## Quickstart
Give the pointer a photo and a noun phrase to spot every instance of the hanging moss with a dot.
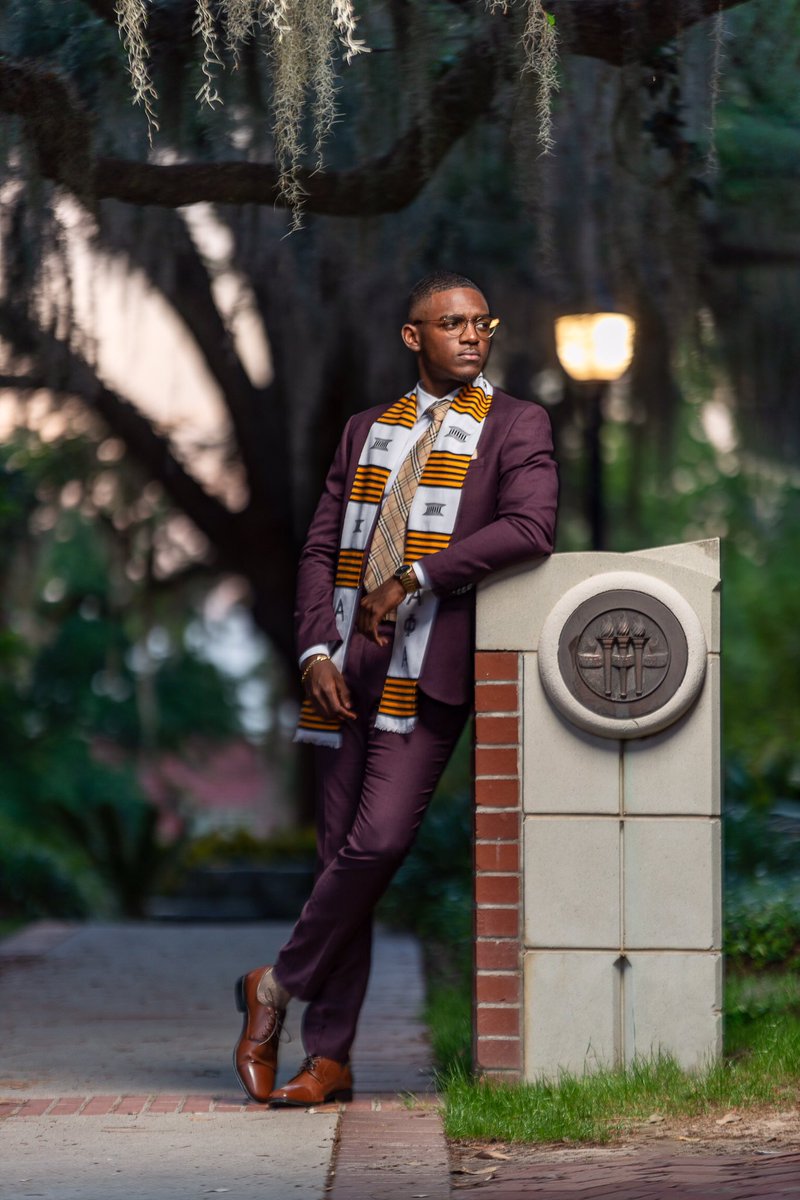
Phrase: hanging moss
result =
(132, 21)
(301, 38)
(541, 57)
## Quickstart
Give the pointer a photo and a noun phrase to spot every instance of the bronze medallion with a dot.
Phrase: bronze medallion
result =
(623, 654)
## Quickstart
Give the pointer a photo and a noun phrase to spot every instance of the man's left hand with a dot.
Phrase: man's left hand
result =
(374, 607)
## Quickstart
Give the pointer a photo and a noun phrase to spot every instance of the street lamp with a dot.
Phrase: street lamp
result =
(595, 349)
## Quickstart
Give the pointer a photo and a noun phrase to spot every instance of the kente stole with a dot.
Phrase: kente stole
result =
(431, 522)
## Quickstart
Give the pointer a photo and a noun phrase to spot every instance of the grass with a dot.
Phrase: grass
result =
(448, 1013)
(761, 1067)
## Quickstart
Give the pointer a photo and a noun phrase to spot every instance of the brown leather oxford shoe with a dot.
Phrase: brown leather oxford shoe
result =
(319, 1080)
(255, 1056)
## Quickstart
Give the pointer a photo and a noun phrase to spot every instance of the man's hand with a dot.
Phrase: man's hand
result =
(374, 607)
(326, 689)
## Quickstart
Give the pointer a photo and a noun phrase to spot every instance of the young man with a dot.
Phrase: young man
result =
(426, 496)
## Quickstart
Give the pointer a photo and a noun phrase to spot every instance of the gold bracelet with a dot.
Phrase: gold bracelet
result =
(316, 659)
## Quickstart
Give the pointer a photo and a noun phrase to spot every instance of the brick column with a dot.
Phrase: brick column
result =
(497, 1033)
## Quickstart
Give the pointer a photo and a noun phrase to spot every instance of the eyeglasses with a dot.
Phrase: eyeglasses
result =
(455, 325)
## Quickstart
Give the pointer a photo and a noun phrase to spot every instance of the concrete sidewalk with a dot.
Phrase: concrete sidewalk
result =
(115, 1070)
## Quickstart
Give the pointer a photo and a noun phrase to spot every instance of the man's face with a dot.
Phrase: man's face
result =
(447, 361)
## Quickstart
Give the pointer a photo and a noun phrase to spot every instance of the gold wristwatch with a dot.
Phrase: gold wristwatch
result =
(405, 575)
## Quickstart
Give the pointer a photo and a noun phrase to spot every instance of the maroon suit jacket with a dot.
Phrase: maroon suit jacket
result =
(506, 514)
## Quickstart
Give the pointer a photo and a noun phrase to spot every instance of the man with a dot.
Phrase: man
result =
(425, 497)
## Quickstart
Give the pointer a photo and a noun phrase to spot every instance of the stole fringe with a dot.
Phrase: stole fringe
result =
(316, 737)
(395, 724)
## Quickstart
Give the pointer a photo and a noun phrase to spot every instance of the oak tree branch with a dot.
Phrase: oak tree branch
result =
(59, 128)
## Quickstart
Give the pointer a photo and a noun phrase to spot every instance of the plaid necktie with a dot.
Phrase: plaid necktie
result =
(388, 543)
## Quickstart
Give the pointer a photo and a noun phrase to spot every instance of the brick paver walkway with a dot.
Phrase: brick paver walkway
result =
(387, 1151)
(649, 1175)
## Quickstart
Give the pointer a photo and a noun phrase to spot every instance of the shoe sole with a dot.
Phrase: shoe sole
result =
(344, 1096)
(238, 992)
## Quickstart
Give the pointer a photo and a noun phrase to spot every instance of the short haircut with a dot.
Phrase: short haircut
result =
(438, 281)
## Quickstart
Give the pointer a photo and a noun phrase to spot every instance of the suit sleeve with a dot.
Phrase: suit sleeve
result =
(313, 618)
(524, 523)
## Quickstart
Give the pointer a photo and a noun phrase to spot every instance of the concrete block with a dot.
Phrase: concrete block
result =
(564, 769)
(703, 556)
(570, 1018)
(678, 771)
(513, 604)
(673, 1002)
(572, 882)
(672, 883)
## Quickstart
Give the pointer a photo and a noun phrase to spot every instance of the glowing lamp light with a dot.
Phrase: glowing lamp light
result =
(595, 347)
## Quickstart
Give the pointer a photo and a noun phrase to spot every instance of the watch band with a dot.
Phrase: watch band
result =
(405, 575)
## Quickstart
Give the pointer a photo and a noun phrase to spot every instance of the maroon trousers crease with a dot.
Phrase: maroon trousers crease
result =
(372, 794)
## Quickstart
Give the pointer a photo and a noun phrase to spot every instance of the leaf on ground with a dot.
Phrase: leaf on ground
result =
(655, 1119)
(728, 1119)
(487, 1171)
(493, 1154)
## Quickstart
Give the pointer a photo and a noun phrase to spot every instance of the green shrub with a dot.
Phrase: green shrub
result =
(118, 838)
(762, 818)
(752, 997)
(36, 881)
(239, 847)
(762, 924)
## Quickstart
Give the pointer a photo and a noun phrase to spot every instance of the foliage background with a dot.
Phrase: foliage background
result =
(117, 522)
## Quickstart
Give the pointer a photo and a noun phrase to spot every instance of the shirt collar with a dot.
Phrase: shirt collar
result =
(425, 399)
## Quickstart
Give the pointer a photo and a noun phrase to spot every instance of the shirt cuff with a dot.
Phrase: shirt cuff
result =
(422, 578)
(320, 648)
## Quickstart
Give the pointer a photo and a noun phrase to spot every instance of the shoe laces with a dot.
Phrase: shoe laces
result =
(276, 1027)
(309, 1064)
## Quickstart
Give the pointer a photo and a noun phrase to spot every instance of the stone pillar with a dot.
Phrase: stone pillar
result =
(597, 831)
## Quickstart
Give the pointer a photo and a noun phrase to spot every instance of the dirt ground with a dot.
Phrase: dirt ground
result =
(750, 1131)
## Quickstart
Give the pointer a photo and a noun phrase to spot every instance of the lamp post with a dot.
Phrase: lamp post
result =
(595, 349)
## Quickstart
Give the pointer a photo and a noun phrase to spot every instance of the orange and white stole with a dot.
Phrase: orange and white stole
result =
(431, 521)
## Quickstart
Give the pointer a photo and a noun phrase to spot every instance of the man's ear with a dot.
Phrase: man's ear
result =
(410, 335)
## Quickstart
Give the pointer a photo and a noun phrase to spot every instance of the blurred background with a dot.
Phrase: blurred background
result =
(176, 368)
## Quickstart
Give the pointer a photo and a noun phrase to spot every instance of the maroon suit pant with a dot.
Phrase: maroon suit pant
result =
(372, 794)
